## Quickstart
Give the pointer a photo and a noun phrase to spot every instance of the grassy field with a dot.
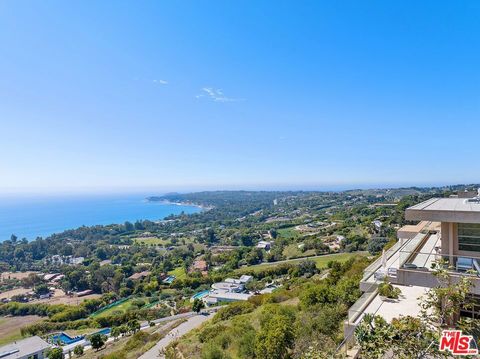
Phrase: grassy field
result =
(10, 327)
(292, 251)
(178, 272)
(321, 261)
(288, 233)
(122, 307)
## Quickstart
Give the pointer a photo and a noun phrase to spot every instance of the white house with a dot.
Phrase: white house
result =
(29, 348)
(264, 245)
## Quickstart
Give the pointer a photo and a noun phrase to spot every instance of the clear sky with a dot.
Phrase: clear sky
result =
(100, 95)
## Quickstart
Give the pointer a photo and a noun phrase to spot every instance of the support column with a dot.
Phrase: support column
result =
(450, 242)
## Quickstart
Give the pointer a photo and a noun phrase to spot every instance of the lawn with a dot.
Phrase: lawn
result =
(320, 261)
(292, 251)
(288, 233)
(10, 327)
(179, 273)
(122, 307)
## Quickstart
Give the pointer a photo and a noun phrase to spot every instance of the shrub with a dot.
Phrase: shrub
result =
(232, 310)
(138, 340)
(78, 350)
(387, 290)
(211, 332)
(213, 351)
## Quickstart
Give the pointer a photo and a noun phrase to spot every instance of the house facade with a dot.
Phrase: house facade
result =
(445, 230)
(29, 348)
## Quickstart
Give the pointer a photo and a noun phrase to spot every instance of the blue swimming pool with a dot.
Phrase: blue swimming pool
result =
(105, 331)
(65, 339)
(169, 279)
(200, 294)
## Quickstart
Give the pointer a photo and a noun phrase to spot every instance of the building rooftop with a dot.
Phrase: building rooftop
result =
(407, 304)
(140, 275)
(459, 210)
(229, 296)
(23, 348)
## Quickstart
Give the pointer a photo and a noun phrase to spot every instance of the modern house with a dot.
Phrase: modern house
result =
(29, 348)
(447, 229)
(230, 290)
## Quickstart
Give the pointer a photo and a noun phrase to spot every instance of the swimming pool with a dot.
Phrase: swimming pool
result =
(65, 339)
(105, 331)
(169, 279)
(200, 295)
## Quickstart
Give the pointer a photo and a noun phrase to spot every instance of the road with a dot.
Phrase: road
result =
(182, 329)
(145, 325)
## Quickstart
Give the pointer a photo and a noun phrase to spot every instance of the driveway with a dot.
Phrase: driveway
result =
(191, 323)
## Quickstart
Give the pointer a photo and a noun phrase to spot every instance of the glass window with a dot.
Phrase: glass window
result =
(469, 237)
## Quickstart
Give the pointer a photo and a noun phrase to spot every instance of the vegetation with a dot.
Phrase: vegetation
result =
(387, 290)
(128, 264)
(305, 315)
(97, 340)
(55, 353)
(78, 350)
(408, 337)
(197, 305)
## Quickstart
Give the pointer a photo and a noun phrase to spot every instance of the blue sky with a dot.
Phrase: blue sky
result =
(135, 95)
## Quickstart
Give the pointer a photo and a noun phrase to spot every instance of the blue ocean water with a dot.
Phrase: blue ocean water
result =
(30, 217)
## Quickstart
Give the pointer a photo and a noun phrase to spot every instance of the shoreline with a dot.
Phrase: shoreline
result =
(186, 203)
(71, 215)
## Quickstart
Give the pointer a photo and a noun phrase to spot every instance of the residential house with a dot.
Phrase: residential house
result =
(264, 245)
(199, 266)
(29, 348)
(448, 229)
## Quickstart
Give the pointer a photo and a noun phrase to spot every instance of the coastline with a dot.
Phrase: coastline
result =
(34, 218)
(184, 203)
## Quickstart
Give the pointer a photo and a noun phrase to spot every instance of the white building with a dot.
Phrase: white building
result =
(264, 245)
(229, 290)
(29, 348)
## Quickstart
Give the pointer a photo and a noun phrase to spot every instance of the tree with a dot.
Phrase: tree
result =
(129, 227)
(133, 326)
(55, 353)
(405, 338)
(275, 338)
(441, 305)
(123, 329)
(97, 340)
(115, 332)
(41, 289)
(376, 244)
(197, 305)
(78, 350)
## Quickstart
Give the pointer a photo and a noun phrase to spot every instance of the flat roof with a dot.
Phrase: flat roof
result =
(458, 210)
(407, 304)
(23, 348)
(229, 295)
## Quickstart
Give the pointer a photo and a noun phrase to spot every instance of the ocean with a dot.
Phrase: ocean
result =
(32, 217)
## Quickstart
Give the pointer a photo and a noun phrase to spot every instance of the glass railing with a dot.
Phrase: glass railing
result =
(428, 261)
(377, 264)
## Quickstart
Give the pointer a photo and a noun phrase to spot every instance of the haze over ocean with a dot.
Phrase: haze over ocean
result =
(35, 216)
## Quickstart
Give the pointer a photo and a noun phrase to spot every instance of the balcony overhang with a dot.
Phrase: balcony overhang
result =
(458, 210)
